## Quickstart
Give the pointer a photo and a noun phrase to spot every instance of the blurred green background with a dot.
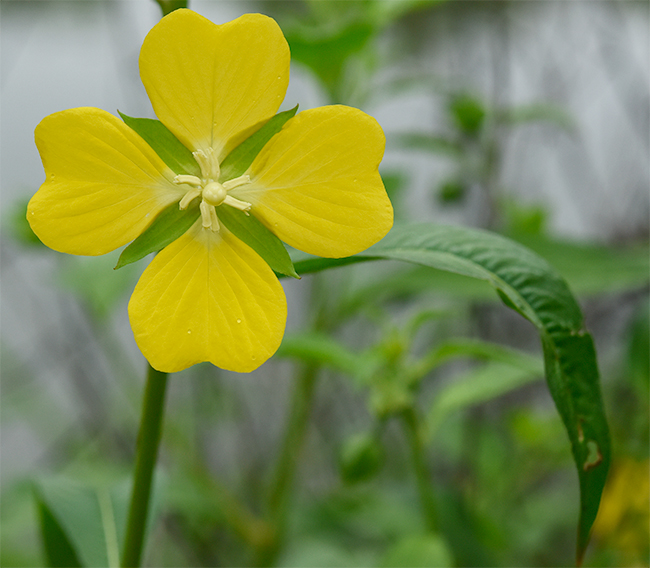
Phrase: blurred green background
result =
(526, 118)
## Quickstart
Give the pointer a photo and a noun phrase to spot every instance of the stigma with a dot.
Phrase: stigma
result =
(213, 193)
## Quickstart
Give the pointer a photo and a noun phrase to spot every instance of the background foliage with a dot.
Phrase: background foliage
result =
(317, 439)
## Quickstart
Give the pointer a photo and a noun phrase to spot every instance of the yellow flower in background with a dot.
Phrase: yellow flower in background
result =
(623, 520)
(208, 296)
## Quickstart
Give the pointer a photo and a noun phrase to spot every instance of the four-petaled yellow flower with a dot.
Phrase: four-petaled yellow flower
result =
(208, 296)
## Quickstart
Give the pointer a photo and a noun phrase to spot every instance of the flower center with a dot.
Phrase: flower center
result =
(212, 192)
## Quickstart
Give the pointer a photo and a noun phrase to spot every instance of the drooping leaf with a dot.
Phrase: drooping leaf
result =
(166, 145)
(239, 160)
(248, 229)
(538, 293)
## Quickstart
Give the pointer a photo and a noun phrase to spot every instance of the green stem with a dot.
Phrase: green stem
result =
(147, 451)
(413, 429)
(288, 459)
(168, 6)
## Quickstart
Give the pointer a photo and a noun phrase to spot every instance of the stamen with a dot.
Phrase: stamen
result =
(208, 163)
(190, 180)
(205, 215)
(188, 197)
(236, 182)
(209, 218)
(237, 204)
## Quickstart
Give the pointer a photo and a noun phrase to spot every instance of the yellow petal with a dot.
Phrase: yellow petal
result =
(209, 83)
(104, 184)
(316, 184)
(208, 297)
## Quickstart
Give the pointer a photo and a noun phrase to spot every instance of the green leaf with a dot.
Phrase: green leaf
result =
(325, 50)
(361, 458)
(239, 160)
(593, 269)
(541, 296)
(248, 229)
(58, 550)
(419, 551)
(77, 524)
(165, 144)
(468, 113)
(479, 385)
(325, 350)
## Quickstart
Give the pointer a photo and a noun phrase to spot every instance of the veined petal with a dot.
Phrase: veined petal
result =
(104, 184)
(208, 297)
(209, 84)
(316, 185)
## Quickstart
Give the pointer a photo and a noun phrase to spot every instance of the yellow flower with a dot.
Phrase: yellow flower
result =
(207, 296)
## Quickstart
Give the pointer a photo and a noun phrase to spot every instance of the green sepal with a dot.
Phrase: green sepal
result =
(171, 151)
(251, 231)
(239, 160)
(170, 224)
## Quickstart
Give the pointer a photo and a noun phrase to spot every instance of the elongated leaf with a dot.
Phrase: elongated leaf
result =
(259, 238)
(170, 224)
(325, 350)
(76, 513)
(58, 549)
(83, 525)
(537, 292)
(165, 144)
(239, 160)
(475, 387)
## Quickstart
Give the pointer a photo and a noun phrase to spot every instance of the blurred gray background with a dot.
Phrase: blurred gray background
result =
(589, 58)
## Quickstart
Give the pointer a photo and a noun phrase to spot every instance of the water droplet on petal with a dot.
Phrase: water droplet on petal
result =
(238, 321)
(189, 331)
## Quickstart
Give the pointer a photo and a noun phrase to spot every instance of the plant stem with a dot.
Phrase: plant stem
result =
(285, 467)
(168, 6)
(413, 429)
(147, 451)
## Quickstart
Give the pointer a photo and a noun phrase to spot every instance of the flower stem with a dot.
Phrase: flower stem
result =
(413, 429)
(168, 6)
(147, 451)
